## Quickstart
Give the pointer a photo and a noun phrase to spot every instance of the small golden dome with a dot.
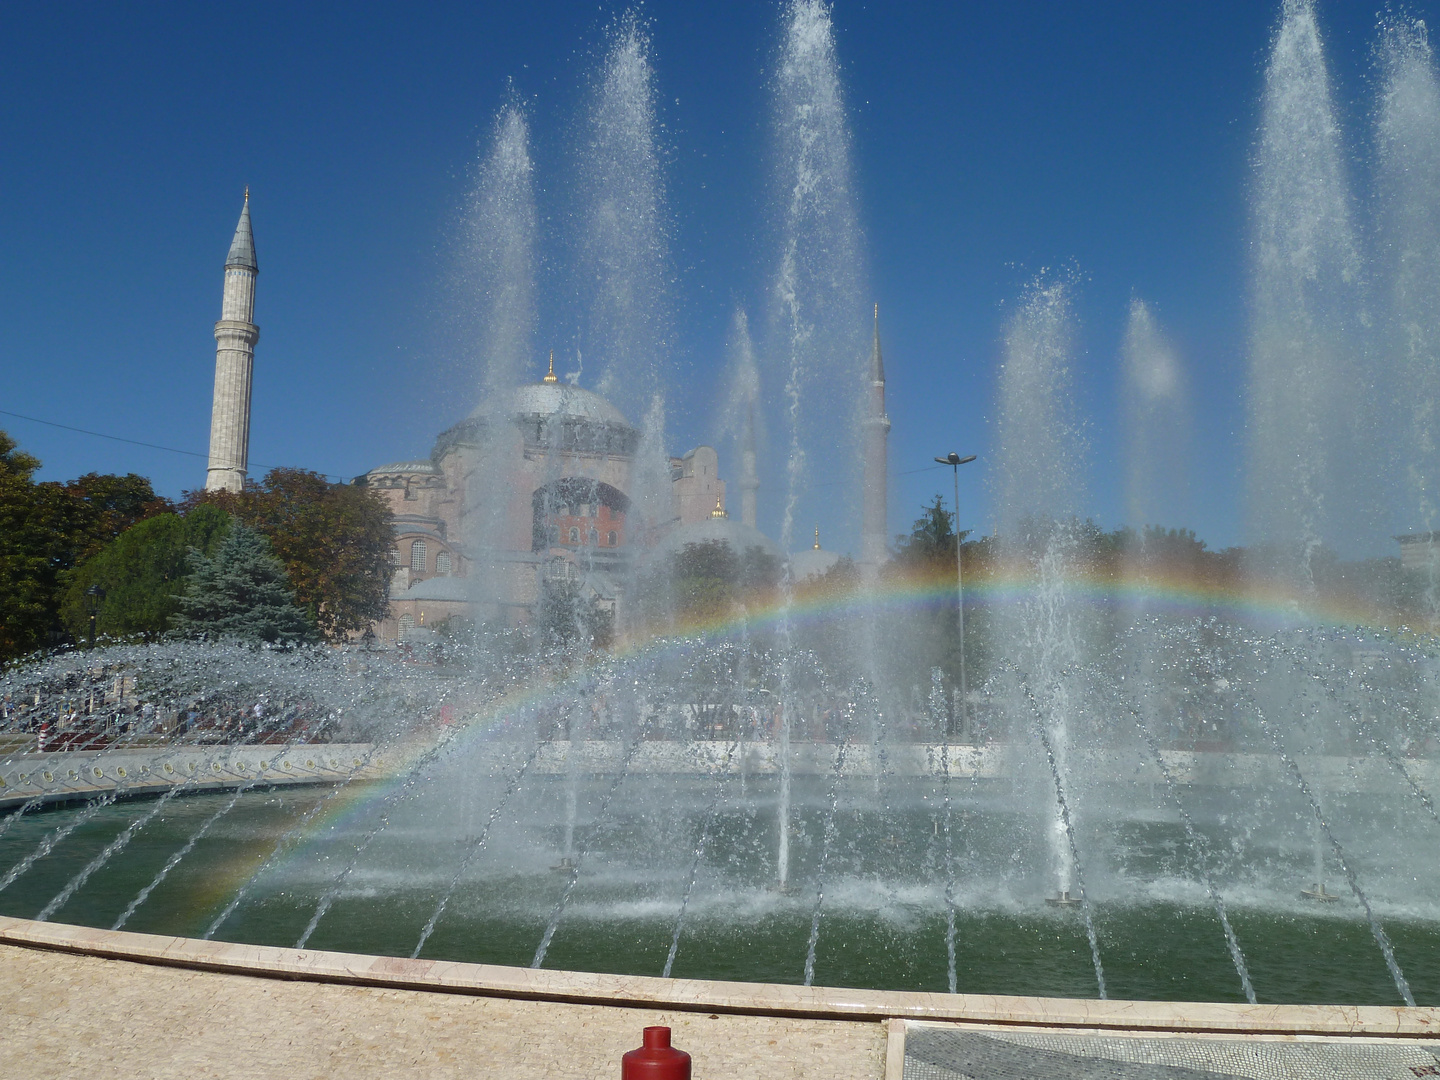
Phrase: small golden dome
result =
(550, 378)
(817, 537)
(719, 511)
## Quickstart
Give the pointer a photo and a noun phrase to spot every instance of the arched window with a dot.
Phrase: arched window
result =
(407, 622)
(418, 551)
(395, 557)
(592, 537)
(613, 540)
(575, 536)
(442, 564)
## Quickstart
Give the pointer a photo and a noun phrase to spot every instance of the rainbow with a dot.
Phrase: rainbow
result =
(1173, 593)
(1262, 606)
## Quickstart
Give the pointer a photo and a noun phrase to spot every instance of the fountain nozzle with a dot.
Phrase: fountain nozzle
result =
(1317, 892)
(1063, 900)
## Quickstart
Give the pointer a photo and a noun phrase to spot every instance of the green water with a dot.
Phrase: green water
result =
(617, 923)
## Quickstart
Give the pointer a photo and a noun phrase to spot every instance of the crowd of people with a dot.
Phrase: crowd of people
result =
(97, 721)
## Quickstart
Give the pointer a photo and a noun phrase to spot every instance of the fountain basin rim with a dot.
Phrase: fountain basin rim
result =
(75, 775)
(735, 998)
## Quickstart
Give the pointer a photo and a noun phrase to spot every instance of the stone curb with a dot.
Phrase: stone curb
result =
(638, 991)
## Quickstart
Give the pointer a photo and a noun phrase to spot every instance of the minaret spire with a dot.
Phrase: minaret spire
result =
(877, 362)
(877, 434)
(235, 338)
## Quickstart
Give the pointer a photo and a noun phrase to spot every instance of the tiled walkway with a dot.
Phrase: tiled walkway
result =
(935, 1052)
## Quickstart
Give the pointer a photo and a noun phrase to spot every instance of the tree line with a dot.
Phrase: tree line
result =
(289, 559)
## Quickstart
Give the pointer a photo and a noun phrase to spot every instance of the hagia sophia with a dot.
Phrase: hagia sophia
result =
(564, 465)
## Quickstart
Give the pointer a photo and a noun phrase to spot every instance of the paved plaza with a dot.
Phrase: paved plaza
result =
(67, 1015)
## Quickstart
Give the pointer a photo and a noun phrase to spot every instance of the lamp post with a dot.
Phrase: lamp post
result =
(94, 597)
(954, 460)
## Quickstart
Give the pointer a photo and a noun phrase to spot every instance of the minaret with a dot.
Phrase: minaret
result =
(235, 338)
(877, 432)
(749, 482)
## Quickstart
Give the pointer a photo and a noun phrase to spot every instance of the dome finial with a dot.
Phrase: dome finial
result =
(550, 378)
(719, 511)
(817, 537)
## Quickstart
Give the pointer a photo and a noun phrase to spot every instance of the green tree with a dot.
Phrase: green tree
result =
(565, 617)
(23, 564)
(46, 530)
(334, 540)
(141, 573)
(704, 580)
(107, 505)
(931, 541)
(241, 593)
(927, 637)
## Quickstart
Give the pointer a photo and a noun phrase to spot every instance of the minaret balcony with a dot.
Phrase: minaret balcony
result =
(233, 328)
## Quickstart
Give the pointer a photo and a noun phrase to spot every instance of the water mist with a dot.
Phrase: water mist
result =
(1305, 419)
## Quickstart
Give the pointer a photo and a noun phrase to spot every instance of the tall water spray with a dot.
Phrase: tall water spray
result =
(1157, 456)
(501, 227)
(1038, 445)
(624, 260)
(1156, 421)
(819, 284)
(1306, 393)
(739, 420)
(500, 268)
(818, 301)
(1407, 135)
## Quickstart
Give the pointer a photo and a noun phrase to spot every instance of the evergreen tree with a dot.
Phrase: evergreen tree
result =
(932, 539)
(565, 618)
(334, 539)
(243, 593)
(142, 573)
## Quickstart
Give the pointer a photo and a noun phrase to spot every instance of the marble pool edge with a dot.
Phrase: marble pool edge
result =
(694, 995)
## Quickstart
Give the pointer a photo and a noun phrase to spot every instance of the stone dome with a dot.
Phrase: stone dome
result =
(561, 399)
(406, 468)
(812, 562)
(737, 534)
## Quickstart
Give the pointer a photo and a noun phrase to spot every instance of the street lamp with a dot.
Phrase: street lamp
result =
(954, 460)
(94, 597)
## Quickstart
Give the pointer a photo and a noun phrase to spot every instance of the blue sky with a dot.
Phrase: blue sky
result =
(991, 141)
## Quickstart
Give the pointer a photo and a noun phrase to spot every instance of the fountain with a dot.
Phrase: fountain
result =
(1140, 797)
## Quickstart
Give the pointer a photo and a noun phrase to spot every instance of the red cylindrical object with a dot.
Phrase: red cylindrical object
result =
(656, 1060)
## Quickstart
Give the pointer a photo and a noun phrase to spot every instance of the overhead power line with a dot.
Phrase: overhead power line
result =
(328, 476)
(137, 442)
